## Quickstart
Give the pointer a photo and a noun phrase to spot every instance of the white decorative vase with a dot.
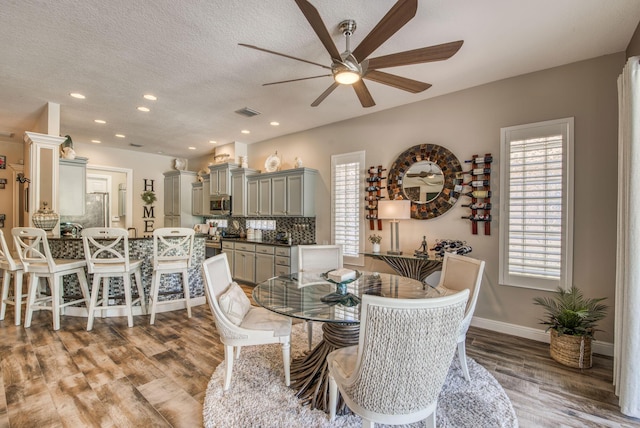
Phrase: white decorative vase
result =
(376, 248)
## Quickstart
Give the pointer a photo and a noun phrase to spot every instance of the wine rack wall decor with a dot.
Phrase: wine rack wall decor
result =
(479, 181)
(373, 186)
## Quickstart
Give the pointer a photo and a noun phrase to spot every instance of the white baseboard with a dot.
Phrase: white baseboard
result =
(539, 335)
(137, 310)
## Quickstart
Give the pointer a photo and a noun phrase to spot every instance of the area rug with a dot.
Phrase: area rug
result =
(258, 397)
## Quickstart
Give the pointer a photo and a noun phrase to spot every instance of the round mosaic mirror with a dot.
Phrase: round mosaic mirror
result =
(424, 174)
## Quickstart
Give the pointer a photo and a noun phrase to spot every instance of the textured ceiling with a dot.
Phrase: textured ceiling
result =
(186, 53)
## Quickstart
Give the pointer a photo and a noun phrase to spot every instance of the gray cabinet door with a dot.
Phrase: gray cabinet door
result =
(265, 267)
(196, 201)
(253, 196)
(264, 196)
(244, 266)
(279, 196)
(295, 195)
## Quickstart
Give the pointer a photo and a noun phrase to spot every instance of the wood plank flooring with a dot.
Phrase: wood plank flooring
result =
(115, 376)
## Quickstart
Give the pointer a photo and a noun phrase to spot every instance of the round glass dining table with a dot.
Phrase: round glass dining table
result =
(311, 296)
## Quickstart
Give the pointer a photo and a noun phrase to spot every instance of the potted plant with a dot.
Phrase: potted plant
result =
(571, 319)
(375, 240)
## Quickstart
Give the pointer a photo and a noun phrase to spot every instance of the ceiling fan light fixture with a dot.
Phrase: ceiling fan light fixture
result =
(346, 77)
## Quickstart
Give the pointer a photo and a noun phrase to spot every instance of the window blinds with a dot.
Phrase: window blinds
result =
(346, 202)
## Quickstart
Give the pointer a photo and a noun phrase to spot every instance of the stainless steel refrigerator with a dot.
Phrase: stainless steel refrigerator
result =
(96, 213)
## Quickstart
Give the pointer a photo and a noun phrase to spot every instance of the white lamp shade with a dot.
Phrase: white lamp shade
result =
(398, 209)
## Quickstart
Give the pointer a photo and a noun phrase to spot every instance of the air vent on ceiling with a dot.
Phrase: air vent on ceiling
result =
(246, 111)
(135, 145)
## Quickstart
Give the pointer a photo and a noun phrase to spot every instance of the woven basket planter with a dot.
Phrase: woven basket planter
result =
(572, 351)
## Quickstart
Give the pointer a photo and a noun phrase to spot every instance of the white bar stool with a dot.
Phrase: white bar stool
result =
(35, 255)
(106, 251)
(172, 249)
(10, 267)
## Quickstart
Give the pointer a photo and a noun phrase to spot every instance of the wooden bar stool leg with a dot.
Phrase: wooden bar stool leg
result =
(127, 298)
(33, 288)
(105, 296)
(55, 284)
(143, 300)
(155, 288)
(95, 289)
(6, 280)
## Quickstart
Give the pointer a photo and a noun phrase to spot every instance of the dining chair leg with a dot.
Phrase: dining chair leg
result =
(228, 366)
(17, 296)
(56, 294)
(430, 421)
(286, 359)
(31, 299)
(185, 287)
(366, 423)
(127, 299)
(105, 296)
(333, 397)
(462, 357)
(84, 287)
(155, 288)
(237, 350)
(143, 301)
(95, 290)
(6, 279)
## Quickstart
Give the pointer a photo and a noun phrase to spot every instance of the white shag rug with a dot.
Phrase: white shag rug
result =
(258, 397)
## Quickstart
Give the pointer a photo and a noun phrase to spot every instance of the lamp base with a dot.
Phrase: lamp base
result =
(394, 253)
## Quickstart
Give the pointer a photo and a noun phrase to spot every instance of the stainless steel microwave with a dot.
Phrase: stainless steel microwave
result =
(220, 205)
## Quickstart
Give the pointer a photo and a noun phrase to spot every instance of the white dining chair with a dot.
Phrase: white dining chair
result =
(318, 258)
(460, 273)
(172, 251)
(106, 251)
(34, 253)
(237, 321)
(11, 268)
(396, 372)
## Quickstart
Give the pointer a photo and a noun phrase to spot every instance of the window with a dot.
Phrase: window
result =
(536, 196)
(347, 202)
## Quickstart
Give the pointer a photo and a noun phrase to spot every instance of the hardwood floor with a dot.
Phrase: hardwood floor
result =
(115, 376)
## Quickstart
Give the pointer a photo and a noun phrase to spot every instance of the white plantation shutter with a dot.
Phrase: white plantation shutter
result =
(347, 201)
(536, 202)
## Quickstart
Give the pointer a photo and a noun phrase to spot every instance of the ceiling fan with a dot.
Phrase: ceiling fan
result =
(349, 68)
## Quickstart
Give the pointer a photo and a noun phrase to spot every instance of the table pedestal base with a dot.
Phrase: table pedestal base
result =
(310, 375)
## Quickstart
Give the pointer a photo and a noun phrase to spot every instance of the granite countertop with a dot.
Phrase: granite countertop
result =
(269, 242)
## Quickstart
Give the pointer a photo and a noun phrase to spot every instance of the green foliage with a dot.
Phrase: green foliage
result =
(375, 239)
(148, 197)
(569, 312)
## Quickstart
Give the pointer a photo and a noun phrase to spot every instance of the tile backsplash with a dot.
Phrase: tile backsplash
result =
(302, 229)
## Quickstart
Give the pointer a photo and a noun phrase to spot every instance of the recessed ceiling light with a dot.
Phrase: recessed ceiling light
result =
(77, 95)
(142, 108)
(213, 142)
(100, 121)
(150, 97)
(96, 141)
(246, 131)
(120, 135)
(192, 148)
(274, 123)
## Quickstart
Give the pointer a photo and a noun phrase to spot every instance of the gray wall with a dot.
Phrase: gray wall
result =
(469, 122)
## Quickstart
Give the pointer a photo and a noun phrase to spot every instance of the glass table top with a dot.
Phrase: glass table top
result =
(309, 296)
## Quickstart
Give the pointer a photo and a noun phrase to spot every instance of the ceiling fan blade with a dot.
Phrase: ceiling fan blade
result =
(417, 56)
(409, 85)
(325, 94)
(312, 15)
(284, 55)
(395, 19)
(363, 94)
(295, 80)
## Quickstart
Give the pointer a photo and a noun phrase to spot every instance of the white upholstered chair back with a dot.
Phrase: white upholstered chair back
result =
(319, 257)
(217, 279)
(460, 273)
(394, 379)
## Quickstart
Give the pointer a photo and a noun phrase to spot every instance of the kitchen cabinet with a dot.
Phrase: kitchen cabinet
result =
(220, 178)
(244, 259)
(259, 196)
(285, 193)
(254, 263)
(239, 190)
(265, 263)
(228, 249)
(293, 193)
(73, 186)
(196, 199)
(177, 199)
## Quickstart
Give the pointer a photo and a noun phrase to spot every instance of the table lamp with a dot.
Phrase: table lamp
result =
(394, 210)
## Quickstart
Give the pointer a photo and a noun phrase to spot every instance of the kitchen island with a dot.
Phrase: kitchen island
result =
(141, 249)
